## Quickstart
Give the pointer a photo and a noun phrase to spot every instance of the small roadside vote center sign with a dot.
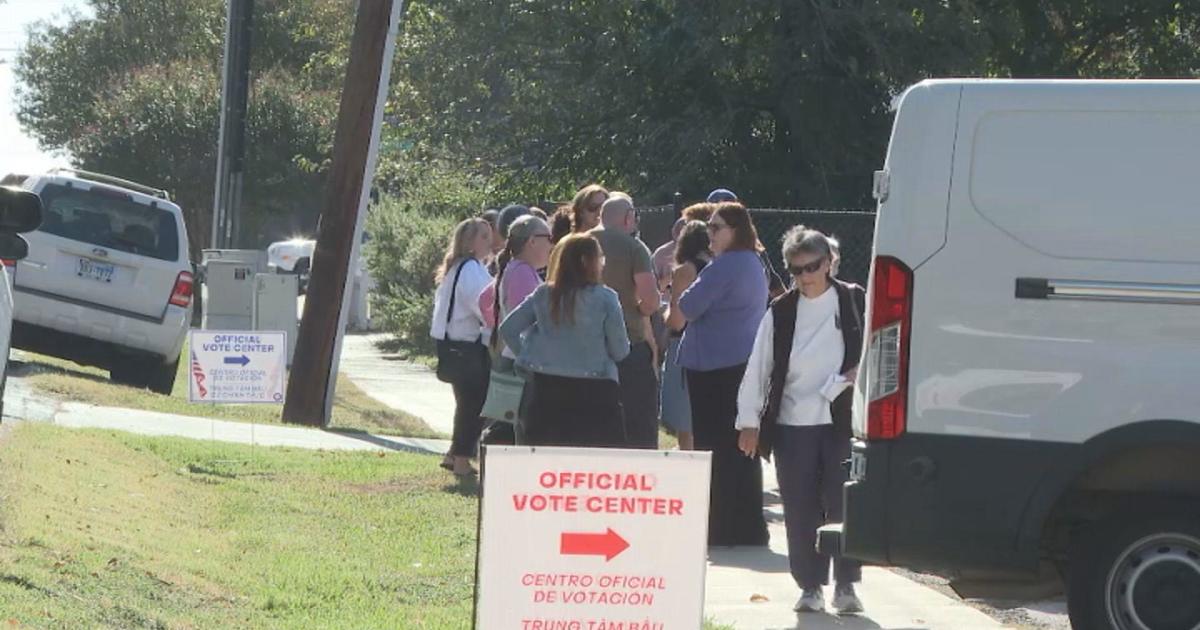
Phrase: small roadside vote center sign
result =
(592, 539)
(237, 367)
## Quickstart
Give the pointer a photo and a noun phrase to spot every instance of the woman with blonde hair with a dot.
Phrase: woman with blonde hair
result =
(570, 334)
(458, 328)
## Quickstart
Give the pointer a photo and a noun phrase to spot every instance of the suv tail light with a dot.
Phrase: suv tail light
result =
(181, 295)
(887, 354)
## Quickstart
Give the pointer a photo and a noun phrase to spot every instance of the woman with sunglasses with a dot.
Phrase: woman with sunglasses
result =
(526, 253)
(722, 308)
(585, 208)
(795, 402)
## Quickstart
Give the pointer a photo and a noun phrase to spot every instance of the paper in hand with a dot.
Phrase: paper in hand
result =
(834, 386)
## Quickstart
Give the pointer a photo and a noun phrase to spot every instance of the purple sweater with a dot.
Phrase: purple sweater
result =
(724, 307)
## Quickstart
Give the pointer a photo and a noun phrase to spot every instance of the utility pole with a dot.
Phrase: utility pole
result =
(231, 148)
(355, 153)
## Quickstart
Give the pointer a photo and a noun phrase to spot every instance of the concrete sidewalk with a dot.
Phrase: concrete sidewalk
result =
(397, 383)
(21, 403)
(752, 589)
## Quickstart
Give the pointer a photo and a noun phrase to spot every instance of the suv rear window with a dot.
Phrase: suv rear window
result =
(111, 219)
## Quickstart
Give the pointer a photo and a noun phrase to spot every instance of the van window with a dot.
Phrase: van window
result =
(111, 219)
(1106, 185)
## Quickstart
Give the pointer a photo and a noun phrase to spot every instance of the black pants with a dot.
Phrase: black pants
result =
(735, 514)
(639, 396)
(469, 396)
(808, 462)
(563, 411)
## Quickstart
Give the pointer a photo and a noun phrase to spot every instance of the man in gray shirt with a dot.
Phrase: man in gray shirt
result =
(629, 272)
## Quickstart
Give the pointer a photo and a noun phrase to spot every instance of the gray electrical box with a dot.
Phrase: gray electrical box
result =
(275, 307)
(229, 285)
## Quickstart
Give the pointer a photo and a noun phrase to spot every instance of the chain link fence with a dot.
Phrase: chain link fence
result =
(854, 229)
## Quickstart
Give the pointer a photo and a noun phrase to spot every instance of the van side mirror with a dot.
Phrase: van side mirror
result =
(13, 246)
(20, 211)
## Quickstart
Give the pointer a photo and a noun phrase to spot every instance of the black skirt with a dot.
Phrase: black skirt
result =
(564, 411)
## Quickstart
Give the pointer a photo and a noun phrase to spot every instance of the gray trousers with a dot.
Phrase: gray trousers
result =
(639, 396)
(808, 462)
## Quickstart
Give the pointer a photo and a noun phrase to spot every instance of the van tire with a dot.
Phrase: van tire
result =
(1114, 558)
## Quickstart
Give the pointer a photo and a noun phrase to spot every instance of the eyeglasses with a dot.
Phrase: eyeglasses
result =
(716, 227)
(812, 267)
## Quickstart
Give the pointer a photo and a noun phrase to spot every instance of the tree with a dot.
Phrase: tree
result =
(135, 92)
(787, 102)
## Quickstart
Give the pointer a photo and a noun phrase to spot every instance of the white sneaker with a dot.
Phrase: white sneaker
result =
(845, 601)
(811, 600)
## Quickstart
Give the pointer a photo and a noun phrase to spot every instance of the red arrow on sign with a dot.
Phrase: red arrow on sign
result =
(609, 544)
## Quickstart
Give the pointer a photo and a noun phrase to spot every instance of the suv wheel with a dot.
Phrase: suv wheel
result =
(1138, 573)
(146, 373)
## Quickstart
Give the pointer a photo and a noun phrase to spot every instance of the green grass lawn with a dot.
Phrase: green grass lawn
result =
(352, 409)
(104, 529)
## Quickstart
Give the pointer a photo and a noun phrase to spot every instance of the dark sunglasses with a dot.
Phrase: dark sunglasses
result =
(812, 267)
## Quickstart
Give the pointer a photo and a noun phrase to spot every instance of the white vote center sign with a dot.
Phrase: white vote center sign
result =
(237, 367)
(592, 539)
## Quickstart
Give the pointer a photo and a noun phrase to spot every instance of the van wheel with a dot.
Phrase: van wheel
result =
(1140, 572)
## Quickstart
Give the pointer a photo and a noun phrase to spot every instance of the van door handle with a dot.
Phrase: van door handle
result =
(1098, 291)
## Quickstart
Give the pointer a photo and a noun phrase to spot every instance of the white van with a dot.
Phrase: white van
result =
(1028, 407)
(108, 281)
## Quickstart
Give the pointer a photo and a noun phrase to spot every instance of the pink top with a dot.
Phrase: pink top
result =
(520, 279)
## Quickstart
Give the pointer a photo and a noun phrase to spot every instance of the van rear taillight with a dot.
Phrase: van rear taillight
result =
(181, 294)
(887, 354)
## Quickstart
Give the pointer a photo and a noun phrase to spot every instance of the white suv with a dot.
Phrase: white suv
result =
(108, 280)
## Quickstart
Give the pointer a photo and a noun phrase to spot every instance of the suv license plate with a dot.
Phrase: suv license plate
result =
(858, 466)
(95, 270)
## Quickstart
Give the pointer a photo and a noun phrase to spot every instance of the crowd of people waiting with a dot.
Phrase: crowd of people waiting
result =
(609, 340)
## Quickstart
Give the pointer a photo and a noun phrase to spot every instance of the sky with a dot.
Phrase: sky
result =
(18, 152)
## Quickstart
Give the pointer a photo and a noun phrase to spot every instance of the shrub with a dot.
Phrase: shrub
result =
(407, 244)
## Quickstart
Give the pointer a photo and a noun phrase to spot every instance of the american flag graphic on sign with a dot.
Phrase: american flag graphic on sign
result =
(199, 377)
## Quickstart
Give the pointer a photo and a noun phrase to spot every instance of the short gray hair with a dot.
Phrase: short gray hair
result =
(803, 240)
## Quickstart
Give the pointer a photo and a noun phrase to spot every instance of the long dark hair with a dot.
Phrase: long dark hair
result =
(574, 265)
(692, 242)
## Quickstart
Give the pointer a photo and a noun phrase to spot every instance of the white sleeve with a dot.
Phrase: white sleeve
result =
(752, 394)
(474, 280)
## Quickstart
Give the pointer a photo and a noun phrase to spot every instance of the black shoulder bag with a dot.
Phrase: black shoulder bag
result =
(458, 361)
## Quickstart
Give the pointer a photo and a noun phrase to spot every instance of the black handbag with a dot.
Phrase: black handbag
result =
(459, 361)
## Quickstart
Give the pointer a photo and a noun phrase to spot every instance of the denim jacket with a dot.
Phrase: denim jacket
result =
(589, 347)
